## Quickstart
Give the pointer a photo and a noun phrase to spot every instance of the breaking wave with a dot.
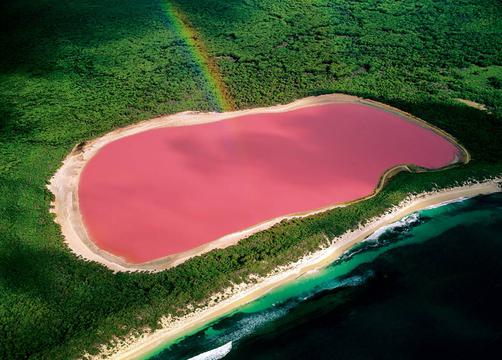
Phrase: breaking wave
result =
(251, 323)
(382, 235)
(403, 224)
(462, 199)
(336, 283)
(214, 354)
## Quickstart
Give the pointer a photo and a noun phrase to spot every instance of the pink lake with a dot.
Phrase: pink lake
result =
(169, 190)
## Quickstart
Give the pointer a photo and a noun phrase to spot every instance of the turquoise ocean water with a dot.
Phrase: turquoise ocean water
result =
(429, 285)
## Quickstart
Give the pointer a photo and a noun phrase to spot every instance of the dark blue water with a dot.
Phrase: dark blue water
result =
(430, 286)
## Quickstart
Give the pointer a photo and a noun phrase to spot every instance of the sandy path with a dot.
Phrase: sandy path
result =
(473, 104)
(64, 184)
(172, 329)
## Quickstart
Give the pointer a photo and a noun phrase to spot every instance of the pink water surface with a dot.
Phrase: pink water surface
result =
(168, 190)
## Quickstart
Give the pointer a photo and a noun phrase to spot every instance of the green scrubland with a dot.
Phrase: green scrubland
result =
(71, 71)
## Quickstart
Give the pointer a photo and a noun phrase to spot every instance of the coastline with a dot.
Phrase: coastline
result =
(171, 329)
(64, 184)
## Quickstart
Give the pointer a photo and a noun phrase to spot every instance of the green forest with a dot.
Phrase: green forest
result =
(72, 71)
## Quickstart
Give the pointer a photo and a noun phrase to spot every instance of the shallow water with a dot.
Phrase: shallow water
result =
(428, 286)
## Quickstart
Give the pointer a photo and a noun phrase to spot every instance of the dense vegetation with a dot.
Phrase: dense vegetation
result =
(272, 51)
(71, 71)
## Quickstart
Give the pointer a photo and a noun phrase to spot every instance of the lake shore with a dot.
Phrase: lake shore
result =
(64, 184)
(231, 299)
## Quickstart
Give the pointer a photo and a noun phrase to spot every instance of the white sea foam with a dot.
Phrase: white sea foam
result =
(355, 280)
(405, 222)
(214, 354)
(250, 324)
(447, 202)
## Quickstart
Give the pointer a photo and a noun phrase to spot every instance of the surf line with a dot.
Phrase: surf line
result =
(208, 67)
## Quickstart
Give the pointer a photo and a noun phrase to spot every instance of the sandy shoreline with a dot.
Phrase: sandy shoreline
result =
(137, 347)
(64, 184)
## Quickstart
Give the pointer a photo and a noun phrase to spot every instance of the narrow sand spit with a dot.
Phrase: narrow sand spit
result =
(64, 184)
(473, 104)
(223, 303)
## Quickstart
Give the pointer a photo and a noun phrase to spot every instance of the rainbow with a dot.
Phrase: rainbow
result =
(217, 90)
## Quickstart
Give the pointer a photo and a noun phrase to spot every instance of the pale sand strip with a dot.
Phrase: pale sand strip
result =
(137, 347)
(64, 184)
(473, 104)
